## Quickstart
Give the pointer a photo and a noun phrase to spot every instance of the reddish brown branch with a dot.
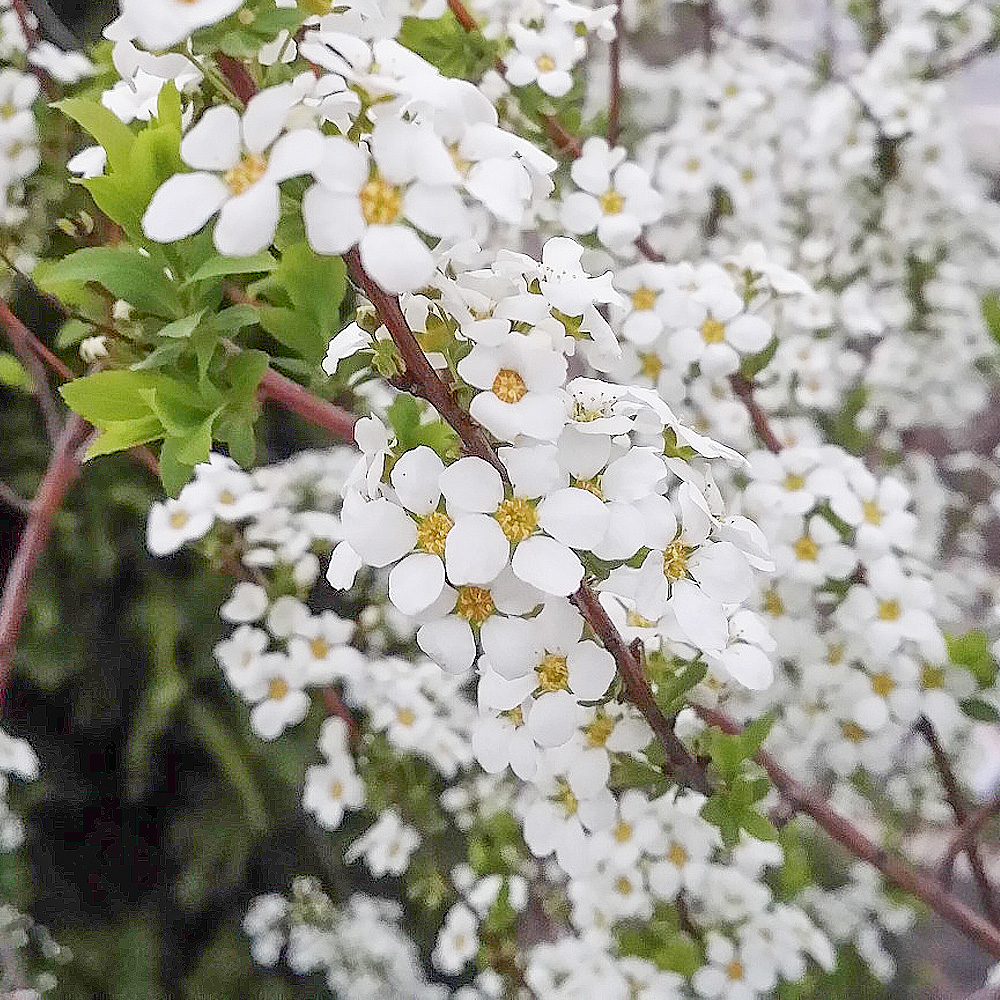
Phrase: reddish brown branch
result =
(21, 340)
(743, 388)
(901, 874)
(967, 833)
(335, 706)
(299, 400)
(60, 475)
(956, 800)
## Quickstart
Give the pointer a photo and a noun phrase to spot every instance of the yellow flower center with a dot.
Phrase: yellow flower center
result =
(599, 730)
(712, 331)
(611, 202)
(517, 518)
(277, 689)
(853, 732)
(545, 64)
(406, 716)
(806, 549)
(516, 715)
(567, 799)
(336, 790)
(319, 648)
(461, 164)
(882, 684)
(590, 485)
(508, 386)
(227, 498)
(793, 481)
(693, 165)
(872, 513)
(178, 519)
(245, 174)
(773, 604)
(735, 970)
(835, 654)
(889, 611)
(553, 673)
(624, 885)
(623, 831)
(931, 677)
(643, 299)
(474, 604)
(675, 557)
(432, 530)
(677, 855)
(380, 202)
(650, 365)
(7, 110)
(634, 620)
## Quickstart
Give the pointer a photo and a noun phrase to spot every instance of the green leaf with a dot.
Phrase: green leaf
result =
(447, 45)
(13, 373)
(991, 314)
(981, 711)
(125, 434)
(123, 271)
(293, 330)
(110, 396)
(105, 127)
(182, 327)
(174, 474)
(244, 373)
(197, 443)
(220, 267)
(972, 651)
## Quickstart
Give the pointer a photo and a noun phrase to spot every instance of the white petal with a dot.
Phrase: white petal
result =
(552, 719)
(214, 143)
(449, 643)
(379, 531)
(182, 205)
(749, 665)
(700, 618)
(343, 167)
(472, 485)
(416, 582)
(415, 479)
(396, 258)
(247, 222)
(723, 572)
(295, 153)
(334, 222)
(575, 517)
(435, 209)
(490, 741)
(548, 565)
(633, 476)
(591, 670)
(475, 550)
(510, 646)
(344, 566)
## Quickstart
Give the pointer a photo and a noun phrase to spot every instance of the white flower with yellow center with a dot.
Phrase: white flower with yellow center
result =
(238, 165)
(276, 685)
(175, 522)
(521, 379)
(374, 201)
(544, 57)
(158, 24)
(616, 197)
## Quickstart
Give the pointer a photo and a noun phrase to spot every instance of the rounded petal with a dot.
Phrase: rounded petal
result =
(510, 646)
(574, 517)
(548, 565)
(591, 670)
(415, 479)
(552, 719)
(214, 142)
(435, 209)
(396, 258)
(182, 205)
(476, 550)
(749, 665)
(416, 582)
(472, 485)
(379, 531)
(334, 222)
(449, 643)
(247, 222)
(490, 741)
(295, 153)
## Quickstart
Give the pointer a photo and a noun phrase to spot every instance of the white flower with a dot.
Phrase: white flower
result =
(276, 686)
(330, 789)
(247, 603)
(544, 57)
(731, 974)
(174, 522)
(457, 941)
(617, 198)
(238, 167)
(410, 177)
(386, 846)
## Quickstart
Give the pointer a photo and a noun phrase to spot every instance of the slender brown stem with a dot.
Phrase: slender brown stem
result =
(743, 388)
(967, 833)
(901, 874)
(25, 17)
(956, 800)
(335, 706)
(297, 399)
(615, 82)
(60, 475)
(21, 340)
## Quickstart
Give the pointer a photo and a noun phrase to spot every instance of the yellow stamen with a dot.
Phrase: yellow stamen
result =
(474, 604)
(432, 531)
(508, 386)
(517, 518)
(380, 202)
(245, 174)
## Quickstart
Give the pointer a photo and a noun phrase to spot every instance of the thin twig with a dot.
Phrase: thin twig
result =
(897, 871)
(615, 78)
(297, 399)
(53, 26)
(956, 800)
(743, 388)
(14, 500)
(21, 339)
(967, 833)
(60, 475)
